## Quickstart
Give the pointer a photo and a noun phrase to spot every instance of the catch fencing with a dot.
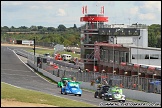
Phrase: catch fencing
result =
(127, 82)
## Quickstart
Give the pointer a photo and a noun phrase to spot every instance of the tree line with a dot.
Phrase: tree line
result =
(67, 36)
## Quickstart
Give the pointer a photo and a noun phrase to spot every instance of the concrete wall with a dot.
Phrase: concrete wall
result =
(133, 94)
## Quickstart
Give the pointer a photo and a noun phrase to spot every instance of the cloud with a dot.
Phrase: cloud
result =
(34, 7)
(61, 12)
(151, 5)
(148, 16)
(134, 10)
(11, 3)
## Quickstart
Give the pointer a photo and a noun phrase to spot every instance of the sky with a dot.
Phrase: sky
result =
(68, 13)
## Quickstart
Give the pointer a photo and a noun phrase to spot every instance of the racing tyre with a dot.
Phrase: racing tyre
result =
(95, 95)
(65, 93)
(75, 94)
(80, 95)
(123, 101)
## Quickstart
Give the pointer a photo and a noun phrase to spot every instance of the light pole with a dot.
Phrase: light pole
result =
(102, 74)
(125, 73)
(138, 69)
(34, 49)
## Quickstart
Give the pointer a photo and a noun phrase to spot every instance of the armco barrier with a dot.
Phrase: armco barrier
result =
(133, 94)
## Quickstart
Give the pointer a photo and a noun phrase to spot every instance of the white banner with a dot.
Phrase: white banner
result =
(28, 42)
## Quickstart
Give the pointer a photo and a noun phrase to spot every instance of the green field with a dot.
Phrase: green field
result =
(30, 96)
(43, 51)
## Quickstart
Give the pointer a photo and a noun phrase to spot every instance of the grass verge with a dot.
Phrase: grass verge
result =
(43, 51)
(9, 92)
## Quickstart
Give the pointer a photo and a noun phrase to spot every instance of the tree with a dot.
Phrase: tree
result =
(75, 27)
(61, 27)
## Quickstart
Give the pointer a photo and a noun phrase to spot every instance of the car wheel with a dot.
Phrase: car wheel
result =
(65, 93)
(100, 96)
(95, 95)
(75, 94)
(105, 98)
(123, 101)
(80, 95)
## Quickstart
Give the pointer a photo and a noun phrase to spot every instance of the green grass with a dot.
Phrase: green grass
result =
(43, 51)
(30, 96)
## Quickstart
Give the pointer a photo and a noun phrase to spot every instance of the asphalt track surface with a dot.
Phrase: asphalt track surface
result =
(15, 72)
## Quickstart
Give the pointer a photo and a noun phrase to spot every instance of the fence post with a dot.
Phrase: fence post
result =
(58, 73)
(53, 72)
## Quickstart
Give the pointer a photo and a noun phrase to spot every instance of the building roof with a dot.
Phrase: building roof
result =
(140, 47)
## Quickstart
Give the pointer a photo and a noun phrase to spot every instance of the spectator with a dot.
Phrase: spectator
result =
(121, 85)
(105, 82)
(134, 86)
(97, 81)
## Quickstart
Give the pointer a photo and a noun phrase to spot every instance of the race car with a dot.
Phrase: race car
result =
(71, 87)
(101, 90)
(63, 81)
(115, 93)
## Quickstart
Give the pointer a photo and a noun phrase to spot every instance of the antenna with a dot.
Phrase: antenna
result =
(129, 20)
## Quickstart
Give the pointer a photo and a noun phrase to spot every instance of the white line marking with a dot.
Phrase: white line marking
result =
(18, 75)
(15, 70)
(32, 69)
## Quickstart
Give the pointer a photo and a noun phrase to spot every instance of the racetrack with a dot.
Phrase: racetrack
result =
(14, 72)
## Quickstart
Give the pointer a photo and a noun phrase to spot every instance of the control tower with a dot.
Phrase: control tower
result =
(89, 35)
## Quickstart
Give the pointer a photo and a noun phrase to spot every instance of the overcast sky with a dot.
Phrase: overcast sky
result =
(68, 13)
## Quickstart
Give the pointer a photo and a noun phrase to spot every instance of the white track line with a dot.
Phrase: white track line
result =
(32, 69)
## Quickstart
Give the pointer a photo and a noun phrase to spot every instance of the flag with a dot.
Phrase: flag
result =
(83, 9)
(102, 10)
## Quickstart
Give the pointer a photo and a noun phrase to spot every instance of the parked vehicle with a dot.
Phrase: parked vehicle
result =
(58, 57)
(101, 90)
(66, 57)
(63, 82)
(114, 93)
(47, 55)
(71, 88)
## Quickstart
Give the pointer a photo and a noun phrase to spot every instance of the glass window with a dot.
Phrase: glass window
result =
(111, 56)
(121, 55)
(146, 56)
(154, 56)
(101, 56)
(117, 57)
(127, 57)
(134, 56)
(89, 53)
(106, 56)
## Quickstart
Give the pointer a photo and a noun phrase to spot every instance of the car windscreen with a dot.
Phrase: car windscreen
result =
(74, 85)
(105, 89)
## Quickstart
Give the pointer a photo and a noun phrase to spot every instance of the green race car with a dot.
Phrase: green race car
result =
(63, 82)
(115, 93)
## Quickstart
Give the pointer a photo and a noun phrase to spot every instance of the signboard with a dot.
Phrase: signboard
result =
(119, 31)
(28, 42)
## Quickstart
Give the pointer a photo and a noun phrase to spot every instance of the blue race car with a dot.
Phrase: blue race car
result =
(71, 88)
